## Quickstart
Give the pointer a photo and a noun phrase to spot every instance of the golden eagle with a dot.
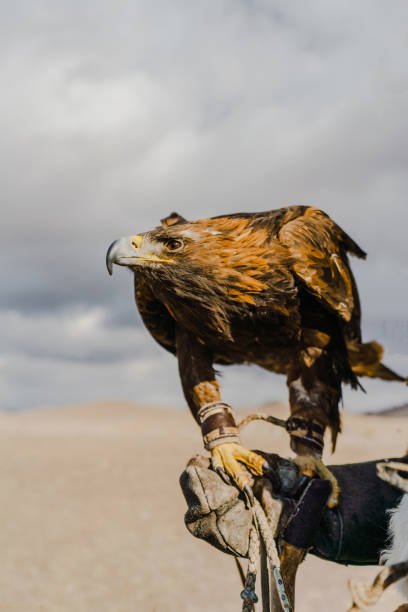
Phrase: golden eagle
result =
(273, 289)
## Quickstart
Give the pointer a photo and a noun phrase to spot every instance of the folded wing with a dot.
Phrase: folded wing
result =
(319, 250)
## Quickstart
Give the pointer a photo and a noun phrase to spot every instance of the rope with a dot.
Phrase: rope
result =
(267, 536)
(263, 529)
(248, 595)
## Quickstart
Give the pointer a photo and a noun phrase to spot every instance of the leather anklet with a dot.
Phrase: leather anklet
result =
(308, 432)
(217, 424)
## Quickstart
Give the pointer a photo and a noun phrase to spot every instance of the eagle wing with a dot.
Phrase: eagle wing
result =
(155, 316)
(319, 248)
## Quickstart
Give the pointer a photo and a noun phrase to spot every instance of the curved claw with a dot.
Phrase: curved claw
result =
(237, 462)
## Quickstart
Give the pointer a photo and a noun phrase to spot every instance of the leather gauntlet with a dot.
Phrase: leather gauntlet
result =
(217, 424)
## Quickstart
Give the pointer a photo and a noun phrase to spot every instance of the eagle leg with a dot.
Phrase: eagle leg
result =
(307, 442)
(215, 417)
(314, 396)
(311, 465)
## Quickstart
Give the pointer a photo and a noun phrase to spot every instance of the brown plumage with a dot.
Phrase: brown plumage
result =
(274, 289)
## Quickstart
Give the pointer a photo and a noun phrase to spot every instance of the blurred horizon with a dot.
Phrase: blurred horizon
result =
(112, 116)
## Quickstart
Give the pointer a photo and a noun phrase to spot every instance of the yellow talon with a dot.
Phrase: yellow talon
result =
(311, 466)
(238, 462)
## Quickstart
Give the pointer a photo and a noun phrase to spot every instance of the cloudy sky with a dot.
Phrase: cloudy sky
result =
(114, 114)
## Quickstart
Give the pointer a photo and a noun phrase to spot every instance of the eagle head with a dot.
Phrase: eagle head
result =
(151, 250)
(222, 264)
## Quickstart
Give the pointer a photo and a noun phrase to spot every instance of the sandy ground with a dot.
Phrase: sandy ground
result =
(91, 513)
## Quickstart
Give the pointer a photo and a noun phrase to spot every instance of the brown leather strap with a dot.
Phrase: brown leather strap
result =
(309, 432)
(217, 424)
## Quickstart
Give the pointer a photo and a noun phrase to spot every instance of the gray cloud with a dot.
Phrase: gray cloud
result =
(113, 115)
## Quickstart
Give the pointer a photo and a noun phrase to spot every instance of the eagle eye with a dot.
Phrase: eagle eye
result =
(174, 244)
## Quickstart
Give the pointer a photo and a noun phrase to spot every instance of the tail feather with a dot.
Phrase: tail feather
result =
(365, 360)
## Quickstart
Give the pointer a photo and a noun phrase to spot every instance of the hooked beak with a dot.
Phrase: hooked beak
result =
(123, 252)
(133, 251)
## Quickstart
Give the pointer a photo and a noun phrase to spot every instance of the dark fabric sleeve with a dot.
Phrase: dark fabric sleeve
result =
(356, 532)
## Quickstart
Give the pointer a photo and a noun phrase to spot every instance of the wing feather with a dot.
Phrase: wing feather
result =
(319, 250)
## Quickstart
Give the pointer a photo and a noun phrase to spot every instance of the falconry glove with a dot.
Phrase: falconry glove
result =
(353, 533)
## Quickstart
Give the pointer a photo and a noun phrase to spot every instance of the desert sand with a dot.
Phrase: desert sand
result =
(91, 513)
